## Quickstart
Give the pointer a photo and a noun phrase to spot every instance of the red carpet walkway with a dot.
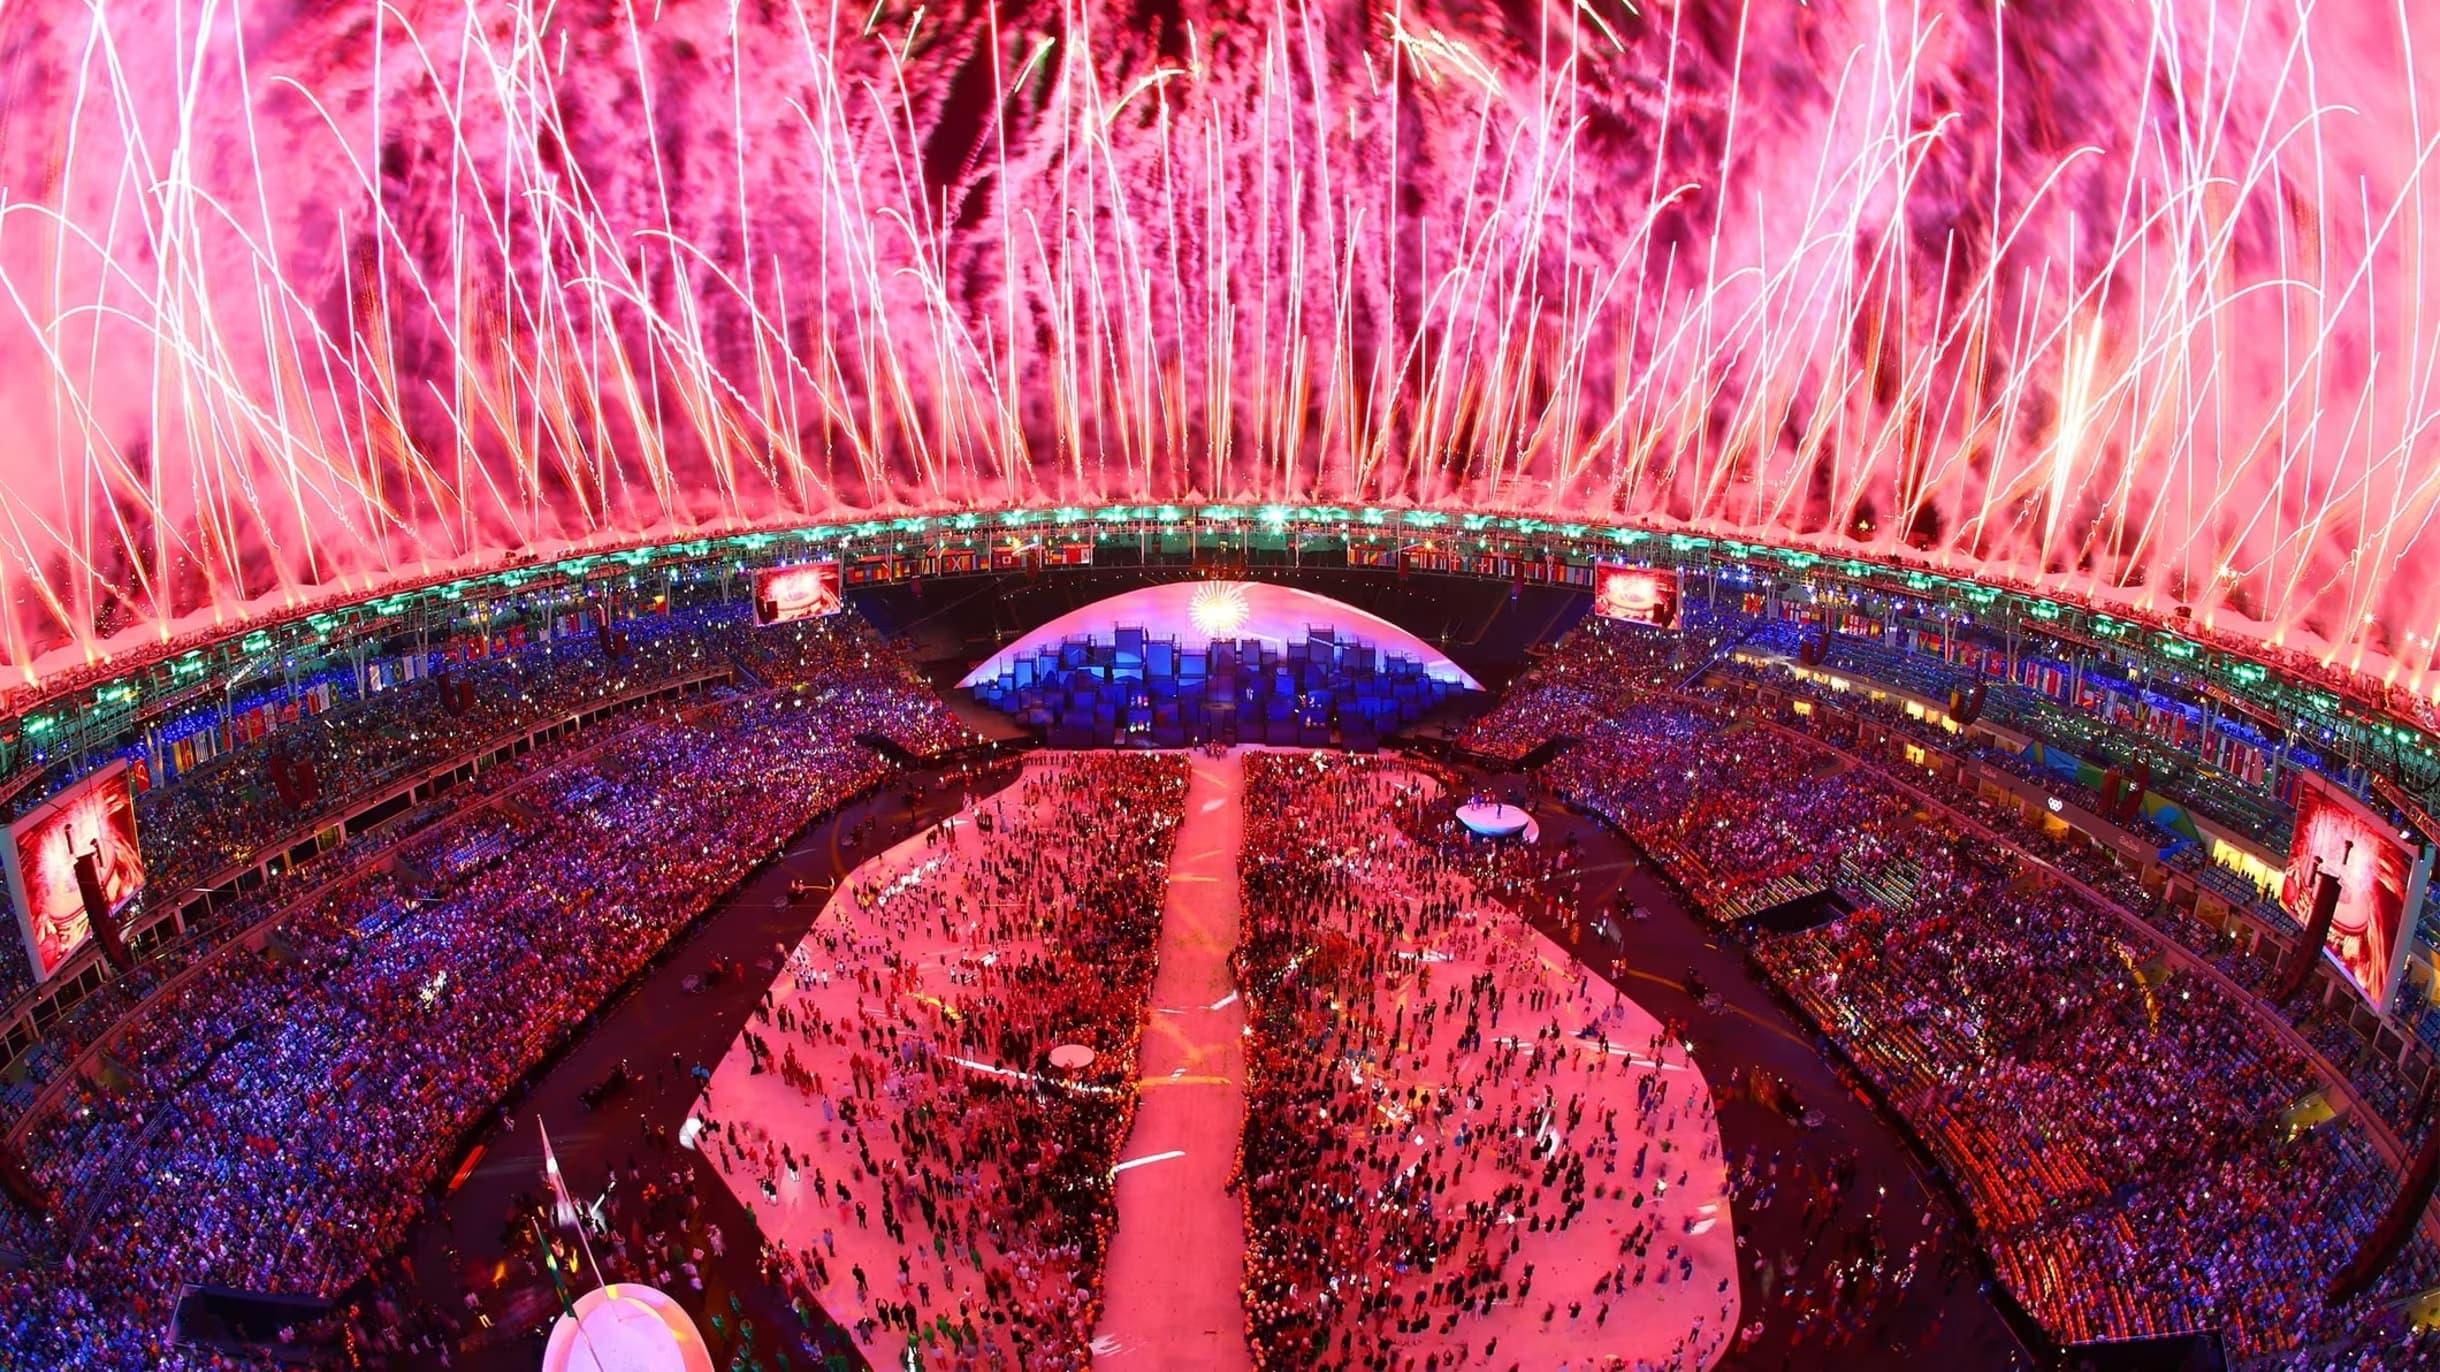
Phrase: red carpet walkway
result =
(1170, 1297)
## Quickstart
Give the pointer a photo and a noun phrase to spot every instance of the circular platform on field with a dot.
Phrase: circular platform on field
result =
(626, 1328)
(1498, 821)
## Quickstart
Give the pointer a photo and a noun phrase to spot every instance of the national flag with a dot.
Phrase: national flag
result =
(562, 1206)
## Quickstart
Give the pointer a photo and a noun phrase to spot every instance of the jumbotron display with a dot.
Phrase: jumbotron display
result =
(2120, 301)
(91, 825)
(1644, 595)
(808, 590)
(2379, 886)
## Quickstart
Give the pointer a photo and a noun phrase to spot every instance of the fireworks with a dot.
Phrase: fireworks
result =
(2126, 302)
(1218, 609)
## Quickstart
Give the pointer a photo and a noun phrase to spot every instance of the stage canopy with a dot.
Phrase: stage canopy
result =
(1196, 613)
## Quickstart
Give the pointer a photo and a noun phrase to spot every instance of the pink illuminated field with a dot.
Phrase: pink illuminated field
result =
(2127, 300)
(800, 1147)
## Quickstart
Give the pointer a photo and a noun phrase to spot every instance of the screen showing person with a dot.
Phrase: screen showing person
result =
(1643, 595)
(94, 823)
(806, 591)
(2375, 870)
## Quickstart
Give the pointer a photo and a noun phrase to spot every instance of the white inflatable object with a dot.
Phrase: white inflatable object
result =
(626, 1328)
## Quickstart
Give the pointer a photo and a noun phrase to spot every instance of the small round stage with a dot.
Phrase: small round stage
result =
(1489, 819)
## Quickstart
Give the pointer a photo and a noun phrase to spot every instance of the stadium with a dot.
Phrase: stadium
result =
(1122, 683)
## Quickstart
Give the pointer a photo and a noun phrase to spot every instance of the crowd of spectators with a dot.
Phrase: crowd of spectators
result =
(845, 663)
(1735, 815)
(1580, 681)
(1604, 665)
(227, 810)
(2373, 1072)
(2291, 662)
(210, 926)
(2174, 772)
(2116, 1125)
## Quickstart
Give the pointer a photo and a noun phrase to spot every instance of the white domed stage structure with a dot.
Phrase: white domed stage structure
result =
(623, 1327)
(1199, 613)
(1190, 662)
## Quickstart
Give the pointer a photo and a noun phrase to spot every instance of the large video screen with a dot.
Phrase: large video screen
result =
(1644, 595)
(2376, 879)
(808, 590)
(95, 818)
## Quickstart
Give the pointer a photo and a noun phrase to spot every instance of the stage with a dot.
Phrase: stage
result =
(1487, 820)
(1186, 663)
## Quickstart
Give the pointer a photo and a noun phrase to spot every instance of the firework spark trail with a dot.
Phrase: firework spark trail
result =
(2125, 300)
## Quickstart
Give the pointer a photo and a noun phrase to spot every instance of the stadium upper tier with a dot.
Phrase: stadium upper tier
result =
(2122, 302)
(2387, 729)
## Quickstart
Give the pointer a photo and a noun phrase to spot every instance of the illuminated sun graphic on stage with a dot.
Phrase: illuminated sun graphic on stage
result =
(1219, 610)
